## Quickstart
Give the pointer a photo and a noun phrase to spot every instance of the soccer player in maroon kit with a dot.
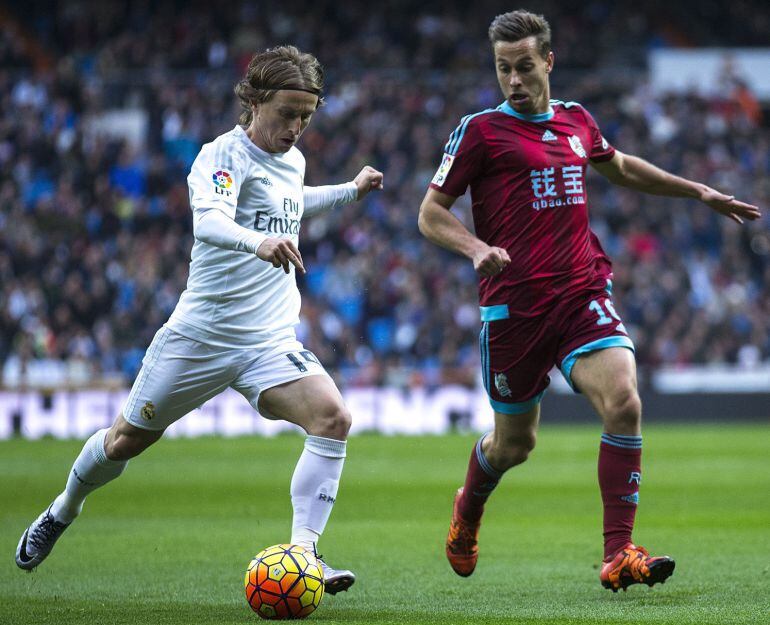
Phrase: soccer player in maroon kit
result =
(545, 284)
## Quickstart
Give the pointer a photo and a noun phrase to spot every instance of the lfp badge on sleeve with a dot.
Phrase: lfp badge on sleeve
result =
(443, 169)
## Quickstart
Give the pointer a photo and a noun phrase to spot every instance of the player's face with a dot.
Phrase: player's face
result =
(277, 124)
(523, 75)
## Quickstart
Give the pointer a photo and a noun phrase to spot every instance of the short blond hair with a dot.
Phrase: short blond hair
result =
(520, 24)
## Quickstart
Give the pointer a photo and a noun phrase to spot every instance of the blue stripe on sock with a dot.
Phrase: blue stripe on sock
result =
(488, 469)
(624, 445)
(623, 441)
(626, 440)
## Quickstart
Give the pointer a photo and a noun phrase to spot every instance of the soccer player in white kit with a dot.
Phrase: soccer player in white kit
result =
(234, 324)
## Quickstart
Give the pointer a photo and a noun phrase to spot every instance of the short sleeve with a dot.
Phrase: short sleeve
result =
(215, 180)
(463, 158)
(600, 149)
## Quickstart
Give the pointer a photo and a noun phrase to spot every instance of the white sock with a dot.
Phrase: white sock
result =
(91, 470)
(304, 537)
(314, 488)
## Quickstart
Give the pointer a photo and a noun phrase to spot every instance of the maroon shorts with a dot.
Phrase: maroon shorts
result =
(517, 353)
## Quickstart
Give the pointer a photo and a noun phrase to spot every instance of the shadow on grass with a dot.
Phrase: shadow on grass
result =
(60, 611)
(658, 610)
(77, 612)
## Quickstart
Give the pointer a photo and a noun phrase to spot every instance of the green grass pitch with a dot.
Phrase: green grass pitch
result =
(169, 541)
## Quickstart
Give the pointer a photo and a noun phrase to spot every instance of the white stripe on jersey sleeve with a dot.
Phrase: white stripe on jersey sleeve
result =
(319, 199)
(216, 177)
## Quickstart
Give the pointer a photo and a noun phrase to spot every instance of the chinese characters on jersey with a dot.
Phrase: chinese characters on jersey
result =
(553, 187)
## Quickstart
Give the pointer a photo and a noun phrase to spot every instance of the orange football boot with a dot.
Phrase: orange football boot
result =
(633, 565)
(462, 549)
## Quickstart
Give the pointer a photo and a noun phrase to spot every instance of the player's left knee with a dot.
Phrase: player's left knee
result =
(623, 409)
(125, 446)
(506, 453)
(332, 421)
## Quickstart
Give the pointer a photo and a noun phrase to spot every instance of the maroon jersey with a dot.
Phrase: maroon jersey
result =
(527, 180)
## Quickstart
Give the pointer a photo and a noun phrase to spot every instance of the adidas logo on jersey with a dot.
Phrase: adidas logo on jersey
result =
(548, 136)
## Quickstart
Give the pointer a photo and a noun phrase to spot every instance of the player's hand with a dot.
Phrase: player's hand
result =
(490, 261)
(728, 206)
(281, 253)
(367, 180)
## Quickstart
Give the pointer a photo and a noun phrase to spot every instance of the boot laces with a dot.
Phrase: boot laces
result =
(462, 536)
(45, 533)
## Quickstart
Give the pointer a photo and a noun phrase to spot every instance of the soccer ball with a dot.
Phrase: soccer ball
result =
(284, 582)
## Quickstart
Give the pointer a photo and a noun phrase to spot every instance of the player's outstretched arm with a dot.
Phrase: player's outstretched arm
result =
(728, 206)
(441, 227)
(636, 173)
(320, 199)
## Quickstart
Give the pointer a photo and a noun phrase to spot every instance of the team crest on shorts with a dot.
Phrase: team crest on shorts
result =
(501, 384)
(577, 146)
(148, 411)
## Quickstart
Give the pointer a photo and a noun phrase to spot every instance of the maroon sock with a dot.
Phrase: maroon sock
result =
(480, 481)
(620, 460)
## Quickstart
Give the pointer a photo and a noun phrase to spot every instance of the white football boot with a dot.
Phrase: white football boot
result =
(336, 580)
(38, 540)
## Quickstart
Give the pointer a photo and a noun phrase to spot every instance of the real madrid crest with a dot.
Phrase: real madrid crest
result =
(148, 411)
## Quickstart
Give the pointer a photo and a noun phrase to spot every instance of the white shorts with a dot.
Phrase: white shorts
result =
(180, 374)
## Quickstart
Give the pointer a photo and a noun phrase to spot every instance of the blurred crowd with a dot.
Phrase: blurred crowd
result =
(103, 107)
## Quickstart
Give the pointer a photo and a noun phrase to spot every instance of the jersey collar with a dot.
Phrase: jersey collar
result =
(255, 150)
(506, 108)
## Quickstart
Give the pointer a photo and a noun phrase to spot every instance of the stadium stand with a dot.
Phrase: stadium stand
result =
(103, 107)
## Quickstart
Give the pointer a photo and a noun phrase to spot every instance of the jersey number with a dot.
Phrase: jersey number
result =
(306, 355)
(603, 318)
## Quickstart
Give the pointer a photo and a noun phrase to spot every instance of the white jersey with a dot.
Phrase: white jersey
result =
(234, 299)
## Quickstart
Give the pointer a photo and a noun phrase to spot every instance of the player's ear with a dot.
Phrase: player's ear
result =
(549, 59)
